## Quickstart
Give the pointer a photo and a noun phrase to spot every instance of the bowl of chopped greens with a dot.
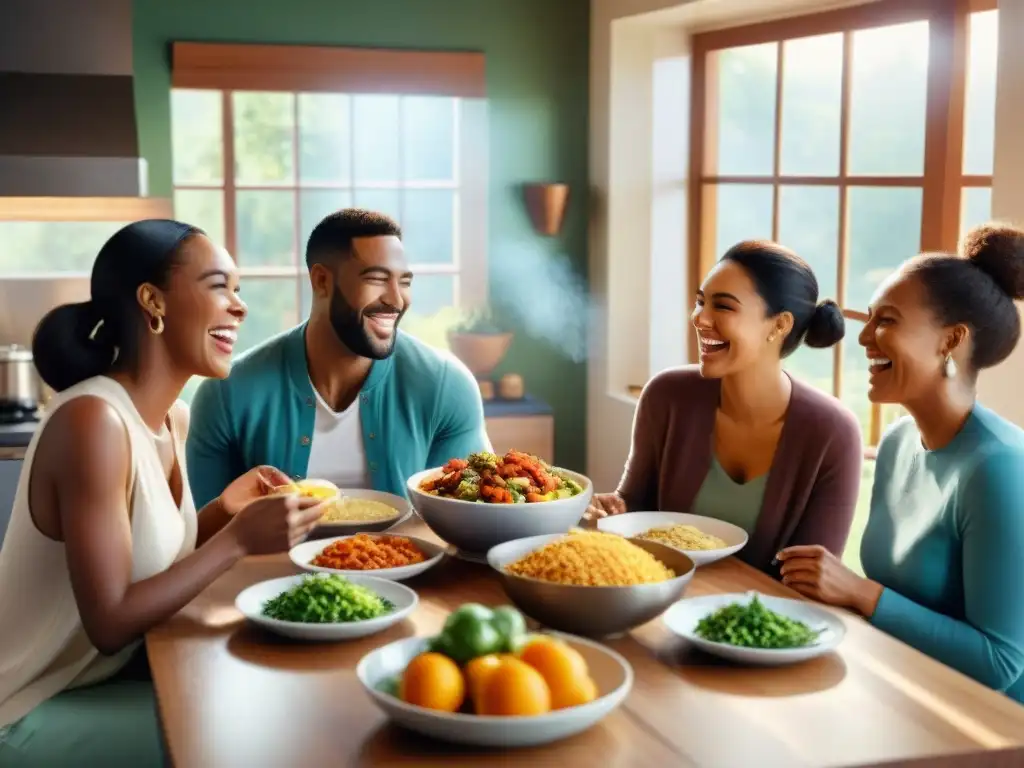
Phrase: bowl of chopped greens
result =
(488, 499)
(756, 629)
(326, 607)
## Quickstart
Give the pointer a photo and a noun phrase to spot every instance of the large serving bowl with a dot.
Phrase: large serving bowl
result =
(634, 523)
(611, 673)
(590, 611)
(474, 528)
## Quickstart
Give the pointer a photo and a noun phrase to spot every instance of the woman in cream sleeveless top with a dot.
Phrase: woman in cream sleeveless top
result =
(45, 647)
(85, 567)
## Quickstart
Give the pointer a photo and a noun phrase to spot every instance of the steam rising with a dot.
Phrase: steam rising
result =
(544, 295)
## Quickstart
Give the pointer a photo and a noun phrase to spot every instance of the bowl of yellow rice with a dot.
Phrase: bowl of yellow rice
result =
(347, 511)
(591, 583)
(703, 539)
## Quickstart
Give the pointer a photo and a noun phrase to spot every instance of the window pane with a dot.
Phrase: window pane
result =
(428, 138)
(314, 205)
(380, 200)
(376, 138)
(809, 224)
(855, 377)
(32, 247)
(975, 207)
(428, 224)
(264, 138)
(197, 137)
(812, 82)
(431, 293)
(746, 110)
(743, 212)
(266, 228)
(203, 208)
(273, 307)
(325, 138)
(885, 231)
(980, 106)
(889, 85)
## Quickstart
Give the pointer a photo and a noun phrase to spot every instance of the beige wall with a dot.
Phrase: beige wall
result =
(637, 233)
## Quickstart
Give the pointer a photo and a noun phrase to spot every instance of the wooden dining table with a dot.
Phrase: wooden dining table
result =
(231, 694)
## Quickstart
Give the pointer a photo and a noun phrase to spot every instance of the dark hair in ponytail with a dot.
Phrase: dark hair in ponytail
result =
(787, 284)
(74, 342)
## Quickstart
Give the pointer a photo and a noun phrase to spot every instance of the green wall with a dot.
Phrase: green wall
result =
(537, 83)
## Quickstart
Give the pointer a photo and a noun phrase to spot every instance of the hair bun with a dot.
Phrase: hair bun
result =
(65, 349)
(998, 251)
(827, 325)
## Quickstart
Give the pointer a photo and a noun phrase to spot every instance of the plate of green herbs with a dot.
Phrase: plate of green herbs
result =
(327, 607)
(756, 629)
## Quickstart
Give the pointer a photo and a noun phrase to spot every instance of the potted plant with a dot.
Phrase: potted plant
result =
(479, 342)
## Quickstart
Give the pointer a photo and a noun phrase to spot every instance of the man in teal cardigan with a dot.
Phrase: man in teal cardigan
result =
(346, 396)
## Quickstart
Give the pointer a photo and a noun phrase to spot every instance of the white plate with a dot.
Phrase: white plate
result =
(611, 673)
(683, 616)
(402, 507)
(633, 523)
(303, 555)
(250, 603)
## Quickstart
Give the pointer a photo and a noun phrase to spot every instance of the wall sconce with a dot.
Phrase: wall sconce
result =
(546, 205)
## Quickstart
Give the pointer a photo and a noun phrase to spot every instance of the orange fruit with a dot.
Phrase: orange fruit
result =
(513, 688)
(434, 681)
(478, 670)
(564, 670)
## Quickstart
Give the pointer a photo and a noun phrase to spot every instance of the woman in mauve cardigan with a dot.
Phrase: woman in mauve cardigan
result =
(736, 437)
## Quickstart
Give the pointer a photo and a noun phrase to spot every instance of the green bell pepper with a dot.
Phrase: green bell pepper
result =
(474, 630)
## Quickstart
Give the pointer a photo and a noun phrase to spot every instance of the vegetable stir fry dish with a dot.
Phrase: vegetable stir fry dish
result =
(752, 625)
(514, 478)
(327, 600)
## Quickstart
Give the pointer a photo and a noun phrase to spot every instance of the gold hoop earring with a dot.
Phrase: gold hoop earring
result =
(158, 328)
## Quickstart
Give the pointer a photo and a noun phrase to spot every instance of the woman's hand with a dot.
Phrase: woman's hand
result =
(254, 484)
(603, 505)
(815, 572)
(274, 523)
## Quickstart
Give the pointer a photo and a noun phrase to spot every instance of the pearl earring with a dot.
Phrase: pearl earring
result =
(949, 367)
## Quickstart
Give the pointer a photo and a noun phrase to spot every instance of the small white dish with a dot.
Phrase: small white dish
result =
(303, 555)
(683, 616)
(402, 507)
(610, 671)
(250, 603)
(634, 523)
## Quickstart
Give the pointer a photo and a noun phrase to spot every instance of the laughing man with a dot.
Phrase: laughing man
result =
(346, 396)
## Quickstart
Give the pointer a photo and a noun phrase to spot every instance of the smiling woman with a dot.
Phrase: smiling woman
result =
(940, 551)
(761, 450)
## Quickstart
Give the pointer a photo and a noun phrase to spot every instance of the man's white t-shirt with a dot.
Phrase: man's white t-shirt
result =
(337, 453)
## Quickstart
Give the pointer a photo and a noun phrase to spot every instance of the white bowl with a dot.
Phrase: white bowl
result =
(474, 528)
(303, 554)
(682, 618)
(585, 610)
(250, 603)
(401, 506)
(611, 673)
(633, 523)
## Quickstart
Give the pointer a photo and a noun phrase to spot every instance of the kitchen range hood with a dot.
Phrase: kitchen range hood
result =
(67, 104)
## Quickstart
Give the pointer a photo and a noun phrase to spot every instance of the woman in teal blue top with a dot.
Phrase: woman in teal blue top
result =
(942, 548)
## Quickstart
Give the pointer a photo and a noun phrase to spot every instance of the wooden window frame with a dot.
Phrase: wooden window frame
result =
(941, 181)
(230, 68)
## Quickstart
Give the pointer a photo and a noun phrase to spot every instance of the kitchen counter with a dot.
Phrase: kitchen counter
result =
(14, 438)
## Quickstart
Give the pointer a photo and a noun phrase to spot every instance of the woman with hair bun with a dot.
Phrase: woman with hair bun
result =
(736, 437)
(942, 547)
(104, 542)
